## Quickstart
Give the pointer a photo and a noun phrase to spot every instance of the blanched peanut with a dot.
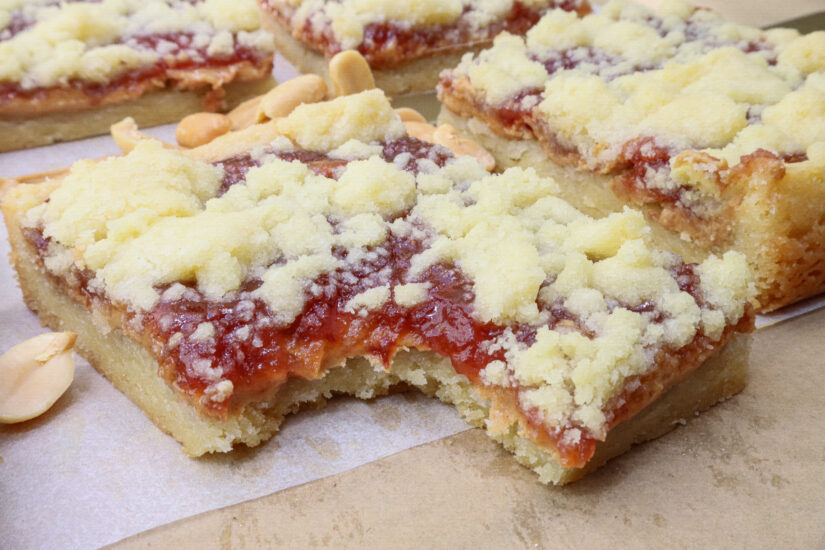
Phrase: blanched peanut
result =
(34, 374)
(447, 136)
(350, 73)
(420, 130)
(281, 100)
(410, 115)
(245, 114)
(201, 128)
(127, 136)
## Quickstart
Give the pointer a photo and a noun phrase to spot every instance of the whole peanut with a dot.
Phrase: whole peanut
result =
(447, 136)
(410, 115)
(245, 114)
(282, 100)
(350, 73)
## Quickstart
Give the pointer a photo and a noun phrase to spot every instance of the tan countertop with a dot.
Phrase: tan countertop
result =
(747, 474)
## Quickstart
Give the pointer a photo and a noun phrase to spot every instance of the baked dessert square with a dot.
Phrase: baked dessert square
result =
(70, 69)
(407, 44)
(223, 287)
(714, 129)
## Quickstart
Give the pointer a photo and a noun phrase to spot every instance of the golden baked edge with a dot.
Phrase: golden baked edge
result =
(151, 109)
(134, 372)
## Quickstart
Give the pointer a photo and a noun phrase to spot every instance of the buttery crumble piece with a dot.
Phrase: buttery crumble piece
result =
(244, 273)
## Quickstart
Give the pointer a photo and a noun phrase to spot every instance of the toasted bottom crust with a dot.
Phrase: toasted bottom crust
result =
(417, 76)
(148, 110)
(780, 226)
(135, 373)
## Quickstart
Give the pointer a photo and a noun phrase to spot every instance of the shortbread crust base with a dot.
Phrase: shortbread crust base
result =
(151, 109)
(134, 372)
(779, 225)
(417, 76)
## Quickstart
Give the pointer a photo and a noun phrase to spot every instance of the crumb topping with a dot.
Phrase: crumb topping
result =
(326, 126)
(565, 308)
(46, 43)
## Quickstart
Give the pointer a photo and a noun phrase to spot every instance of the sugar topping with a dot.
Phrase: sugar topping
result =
(526, 253)
(55, 43)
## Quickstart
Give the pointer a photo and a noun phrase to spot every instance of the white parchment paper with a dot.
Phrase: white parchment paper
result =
(94, 469)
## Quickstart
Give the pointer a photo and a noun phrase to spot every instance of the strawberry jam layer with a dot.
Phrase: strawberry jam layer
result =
(390, 44)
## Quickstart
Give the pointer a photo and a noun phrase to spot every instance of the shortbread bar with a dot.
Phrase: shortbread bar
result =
(714, 129)
(70, 69)
(406, 43)
(223, 287)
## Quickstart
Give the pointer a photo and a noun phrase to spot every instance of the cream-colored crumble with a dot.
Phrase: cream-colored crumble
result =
(495, 374)
(680, 76)
(721, 283)
(505, 70)
(369, 300)
(348, 18)
(204, 332)
(219, 391)
(354, 149)
(374, 186)
(411, 294)
(96, 41)
(150, 227)
(325, 126)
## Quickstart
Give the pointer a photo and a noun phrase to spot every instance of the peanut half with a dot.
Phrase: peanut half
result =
(410, 115)
(420, 130)
(282, 100)
(447, 136)
(34, 374)
(127, 136)
(245, 114)
(199, 128)
(350, 73)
